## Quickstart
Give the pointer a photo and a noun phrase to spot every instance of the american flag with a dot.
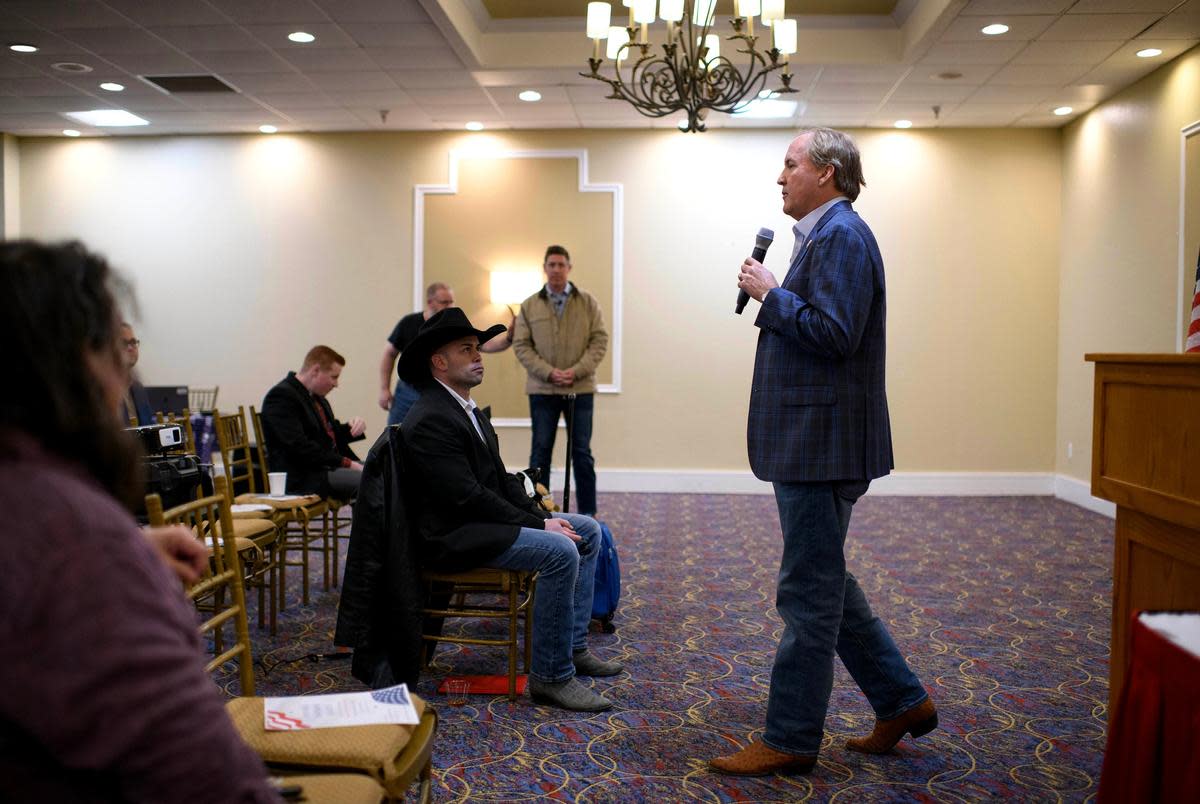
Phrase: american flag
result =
(1193, 333)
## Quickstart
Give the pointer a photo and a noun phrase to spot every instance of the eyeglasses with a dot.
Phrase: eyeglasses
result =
(130, 343)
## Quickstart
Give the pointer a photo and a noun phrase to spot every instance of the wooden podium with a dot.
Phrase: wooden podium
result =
(1146, 459)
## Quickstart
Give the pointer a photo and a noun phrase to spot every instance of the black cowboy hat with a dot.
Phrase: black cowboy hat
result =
(441, 328)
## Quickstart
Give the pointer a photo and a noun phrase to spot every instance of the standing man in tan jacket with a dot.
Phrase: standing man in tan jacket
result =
(560, 339)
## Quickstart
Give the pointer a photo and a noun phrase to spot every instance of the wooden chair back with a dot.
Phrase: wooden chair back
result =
(233, 441)
(221, 584)
(203, 399)
(264, 461)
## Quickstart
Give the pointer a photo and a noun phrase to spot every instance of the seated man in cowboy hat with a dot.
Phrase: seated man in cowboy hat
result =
(475, 514)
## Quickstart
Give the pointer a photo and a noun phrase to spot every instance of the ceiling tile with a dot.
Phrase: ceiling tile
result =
(1021, 28)
(398, 118)
(1039, 74)
(863, 73)
(417, 79)
(933, 93)
(450, 96)
(1183, 24)
(972, 74)
(1067, 52)
(16, 68)
(374, 10)
(1120, 6)
(510, 78)
(37, 87)
(505, 97)
(117, 41)
(328, 35)
(972, 52)
(380, 99)
(165, 63)
(260, 60)
(168, 14)
(849, 93)
(47, 43)
(358, 81)
(414, 58)
(394, 34)
(539, 111)
(268, 82)
(1076, 27)
(306, 116)
(194, 38)
(331, 60)
(270, 11)
(986, 7)
(149, 102)
(589, 93)
(1009, 93)
(217, 101)
(61, 14)
(298, 100)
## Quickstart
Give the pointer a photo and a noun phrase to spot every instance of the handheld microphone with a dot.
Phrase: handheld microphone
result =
(762, 242)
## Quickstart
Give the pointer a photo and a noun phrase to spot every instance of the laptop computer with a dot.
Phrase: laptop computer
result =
(167, 398)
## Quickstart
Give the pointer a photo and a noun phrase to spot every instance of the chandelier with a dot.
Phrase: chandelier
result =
(691, 75)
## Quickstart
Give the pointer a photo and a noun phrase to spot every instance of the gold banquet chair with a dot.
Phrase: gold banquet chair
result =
(259, 528)
(221, 588)
(303, 521)
(515, 587)
(203, 399)
(394, 756)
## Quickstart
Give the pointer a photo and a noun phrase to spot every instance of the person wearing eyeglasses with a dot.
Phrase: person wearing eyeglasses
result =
(135, 404)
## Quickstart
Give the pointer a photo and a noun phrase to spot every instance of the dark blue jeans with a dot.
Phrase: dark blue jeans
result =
(403, 398)
(544, 411)
(823, 610)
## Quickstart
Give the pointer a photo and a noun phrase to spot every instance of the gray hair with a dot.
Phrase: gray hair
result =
(831, 147)
(433, 289)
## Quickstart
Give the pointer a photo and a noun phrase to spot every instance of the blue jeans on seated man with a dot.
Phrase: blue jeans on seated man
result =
(562, 606)
(403, 398)
(823, 610)
(544, 413)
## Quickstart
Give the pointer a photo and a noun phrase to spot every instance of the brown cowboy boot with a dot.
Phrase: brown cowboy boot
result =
(760, 759)
(919, 720)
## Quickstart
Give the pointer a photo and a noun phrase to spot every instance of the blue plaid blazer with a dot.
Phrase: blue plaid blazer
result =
(818, 409)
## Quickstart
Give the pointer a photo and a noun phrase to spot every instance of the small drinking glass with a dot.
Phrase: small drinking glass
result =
(456, 691)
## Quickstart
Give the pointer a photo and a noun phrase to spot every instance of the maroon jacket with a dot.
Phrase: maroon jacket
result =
(104, 696)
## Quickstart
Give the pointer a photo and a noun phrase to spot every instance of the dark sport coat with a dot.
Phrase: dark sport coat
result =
(297, 440)
(471, 509)
(818, 408)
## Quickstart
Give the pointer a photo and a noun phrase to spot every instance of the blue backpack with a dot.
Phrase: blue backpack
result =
(607, 591)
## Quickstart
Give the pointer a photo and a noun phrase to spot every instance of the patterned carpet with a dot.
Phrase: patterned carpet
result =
(1000, 604)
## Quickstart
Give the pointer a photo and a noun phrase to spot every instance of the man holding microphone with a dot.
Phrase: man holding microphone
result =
(819, 431)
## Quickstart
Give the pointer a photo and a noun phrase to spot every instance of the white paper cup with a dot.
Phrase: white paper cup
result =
(278, 482)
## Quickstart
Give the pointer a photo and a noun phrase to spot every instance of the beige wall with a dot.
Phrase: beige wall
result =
(247, 250)
(1120, 272)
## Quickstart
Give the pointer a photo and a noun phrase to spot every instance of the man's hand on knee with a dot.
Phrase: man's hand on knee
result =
(562, 526)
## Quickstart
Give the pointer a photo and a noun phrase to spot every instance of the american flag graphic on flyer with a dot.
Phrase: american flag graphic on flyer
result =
(298, 712)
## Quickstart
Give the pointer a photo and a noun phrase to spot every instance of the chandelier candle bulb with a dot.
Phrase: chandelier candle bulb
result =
(712, 46)
(598, 17)
(785, 37)
(772, 10)
(617, 37)
(670, 10)
(702, 12)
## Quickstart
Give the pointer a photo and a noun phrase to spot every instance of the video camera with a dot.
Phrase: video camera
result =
(171, 472)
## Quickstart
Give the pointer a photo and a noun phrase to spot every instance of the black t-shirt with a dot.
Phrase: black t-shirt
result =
(406, 329)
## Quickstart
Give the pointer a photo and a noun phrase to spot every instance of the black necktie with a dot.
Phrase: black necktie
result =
(482, 422)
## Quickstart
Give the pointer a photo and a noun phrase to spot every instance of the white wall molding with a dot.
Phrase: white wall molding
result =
(585, 185)
(1080, 493)
(897, 484)
(1187, 273)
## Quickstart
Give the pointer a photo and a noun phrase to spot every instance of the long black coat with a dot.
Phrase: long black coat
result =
(382, 595)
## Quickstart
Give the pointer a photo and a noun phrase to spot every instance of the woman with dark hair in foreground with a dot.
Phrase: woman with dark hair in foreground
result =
(104, 696)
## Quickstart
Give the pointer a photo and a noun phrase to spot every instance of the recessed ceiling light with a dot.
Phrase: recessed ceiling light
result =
(71, 67)
(1149, 53)
(302, 37)
(903, 124)
(530, 96)
(70, 132)
(948, 75)
(995, 29)
(23, 48)
(268, 129)
(1062, 111)
(107, 117)
(474, 125)
(112, 86)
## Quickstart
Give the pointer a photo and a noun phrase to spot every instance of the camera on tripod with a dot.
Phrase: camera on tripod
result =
(171, 472)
